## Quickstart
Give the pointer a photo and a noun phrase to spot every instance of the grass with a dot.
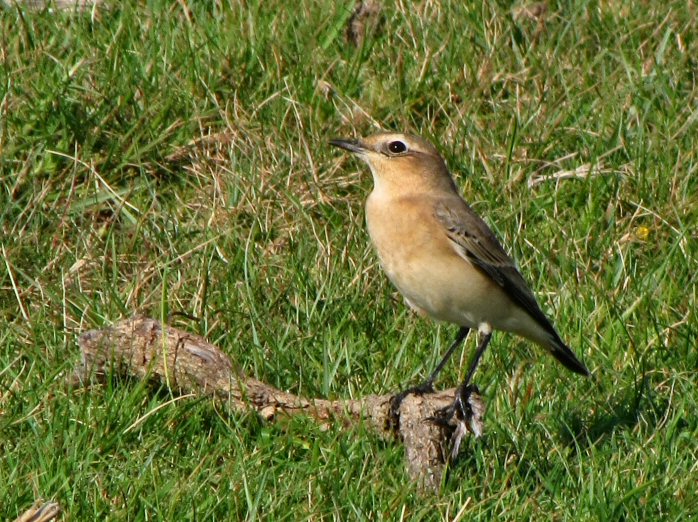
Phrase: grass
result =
(171, 159)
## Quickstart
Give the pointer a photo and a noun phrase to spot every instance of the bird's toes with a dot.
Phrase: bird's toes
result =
(460, 410)
(464, 415)
(462, 404)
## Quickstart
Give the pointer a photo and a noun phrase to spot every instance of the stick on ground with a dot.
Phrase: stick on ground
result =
(147, 349)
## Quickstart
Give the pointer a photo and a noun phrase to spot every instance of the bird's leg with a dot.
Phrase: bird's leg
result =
(486, 335)
(461, 405)
(428, 385)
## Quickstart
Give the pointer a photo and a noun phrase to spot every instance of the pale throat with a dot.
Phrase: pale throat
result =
(378, 184)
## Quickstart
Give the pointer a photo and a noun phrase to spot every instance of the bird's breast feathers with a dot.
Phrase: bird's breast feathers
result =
(420, 260)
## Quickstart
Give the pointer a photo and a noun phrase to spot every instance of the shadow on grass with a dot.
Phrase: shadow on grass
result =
(623, 409)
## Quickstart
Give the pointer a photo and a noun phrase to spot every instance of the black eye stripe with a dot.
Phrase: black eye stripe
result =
(396, 147)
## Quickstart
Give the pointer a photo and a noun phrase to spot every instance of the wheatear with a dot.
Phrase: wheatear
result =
(442, 257)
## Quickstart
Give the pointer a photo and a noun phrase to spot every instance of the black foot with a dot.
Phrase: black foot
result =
(465, 414)
(396, 401)
(461, 408)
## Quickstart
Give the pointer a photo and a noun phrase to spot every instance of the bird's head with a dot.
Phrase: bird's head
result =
(401, 162)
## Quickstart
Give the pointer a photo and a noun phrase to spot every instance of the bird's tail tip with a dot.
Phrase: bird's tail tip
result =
(569, 360)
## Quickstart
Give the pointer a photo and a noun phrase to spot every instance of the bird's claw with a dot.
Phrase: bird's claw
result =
(465, 414)
(460, 409)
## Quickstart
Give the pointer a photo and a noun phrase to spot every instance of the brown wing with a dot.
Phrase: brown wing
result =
(473, 239)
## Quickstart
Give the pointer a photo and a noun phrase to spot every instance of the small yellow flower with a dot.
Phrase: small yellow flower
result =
(642, 233)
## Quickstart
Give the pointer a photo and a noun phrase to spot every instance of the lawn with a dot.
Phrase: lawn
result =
(171, 159)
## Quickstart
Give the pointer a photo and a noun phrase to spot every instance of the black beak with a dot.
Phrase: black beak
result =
(354, 146)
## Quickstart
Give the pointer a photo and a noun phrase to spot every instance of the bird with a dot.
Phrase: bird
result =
(443, 258)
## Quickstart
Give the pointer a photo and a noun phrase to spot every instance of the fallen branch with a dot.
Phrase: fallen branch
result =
(40, 512)
(582, 172)
(147, 349)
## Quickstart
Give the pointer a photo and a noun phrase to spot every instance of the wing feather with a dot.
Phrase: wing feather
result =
(473, 240)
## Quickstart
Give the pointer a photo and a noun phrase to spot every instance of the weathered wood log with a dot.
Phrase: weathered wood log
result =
(187, 363)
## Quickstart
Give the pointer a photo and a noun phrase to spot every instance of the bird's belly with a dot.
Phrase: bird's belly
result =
(433, 278)
(447, 288)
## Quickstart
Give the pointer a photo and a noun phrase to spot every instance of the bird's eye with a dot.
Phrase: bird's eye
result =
(396, 147)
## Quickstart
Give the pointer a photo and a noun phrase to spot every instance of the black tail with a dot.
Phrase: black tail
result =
(567, 357)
